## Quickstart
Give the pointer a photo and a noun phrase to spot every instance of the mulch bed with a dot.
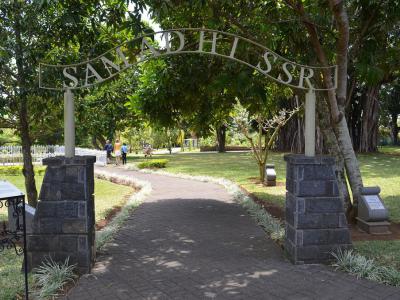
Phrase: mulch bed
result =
(110, 215)
(356, 234)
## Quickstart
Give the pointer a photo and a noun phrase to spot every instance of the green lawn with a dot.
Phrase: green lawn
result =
(384, 252)
(107, 195)
(239, 167)
(377, 169)
(394, 150)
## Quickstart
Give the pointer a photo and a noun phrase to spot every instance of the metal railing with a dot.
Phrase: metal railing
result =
(12, 155)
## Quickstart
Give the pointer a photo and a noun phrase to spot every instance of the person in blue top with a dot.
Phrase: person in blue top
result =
(108, 147)
(124, 151)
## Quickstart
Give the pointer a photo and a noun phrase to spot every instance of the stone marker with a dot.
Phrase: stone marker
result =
(372, 214)
(316, 224)
(270, 175)
(63, 226)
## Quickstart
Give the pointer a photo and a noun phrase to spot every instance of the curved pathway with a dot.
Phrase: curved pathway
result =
(188, 240)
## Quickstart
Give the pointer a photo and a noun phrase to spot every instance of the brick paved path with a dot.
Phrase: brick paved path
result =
(189, 241)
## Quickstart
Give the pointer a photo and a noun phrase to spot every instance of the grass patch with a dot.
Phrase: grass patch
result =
(363, 267)
(109, 195)
(393, 150)
(11, 277)
(153, 164)
(240, 168)
(377, 169)
(386, 253)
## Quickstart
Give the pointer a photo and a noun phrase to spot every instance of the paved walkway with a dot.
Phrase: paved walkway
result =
(189, 241)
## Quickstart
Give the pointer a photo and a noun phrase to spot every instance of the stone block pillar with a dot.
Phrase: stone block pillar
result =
(316, 223)
(63, 225)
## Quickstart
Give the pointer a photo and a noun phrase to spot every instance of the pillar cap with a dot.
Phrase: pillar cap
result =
(301, 159)
(62, 160)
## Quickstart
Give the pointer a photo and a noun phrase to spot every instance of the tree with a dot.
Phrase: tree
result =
(391, 108)
(262, 137)
(28, 32)
(372, 29)
(102, 112)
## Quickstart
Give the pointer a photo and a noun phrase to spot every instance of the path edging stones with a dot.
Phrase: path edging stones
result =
(106, 234)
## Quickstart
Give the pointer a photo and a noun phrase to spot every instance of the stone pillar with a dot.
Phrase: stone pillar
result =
(316, 223)
(63, 225)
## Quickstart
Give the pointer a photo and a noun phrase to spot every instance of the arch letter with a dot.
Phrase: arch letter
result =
(109, 65)
(150, 47)
(285, 69)
(213, 42)
(268, 63)
(94, 74)
(122, 56)
(307, 78)
(69, 76)
(233, 50)
(167, 41)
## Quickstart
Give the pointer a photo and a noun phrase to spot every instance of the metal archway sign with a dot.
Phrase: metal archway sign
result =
(180, 41)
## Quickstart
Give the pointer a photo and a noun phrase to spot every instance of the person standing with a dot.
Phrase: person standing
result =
(117, 152)
(108, 147)
(124, 151)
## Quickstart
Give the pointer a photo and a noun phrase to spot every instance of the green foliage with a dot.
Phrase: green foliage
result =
(50, 277)
(17, 170)
(362, 267)
(8, 137)
(386, 253)
(153, 164)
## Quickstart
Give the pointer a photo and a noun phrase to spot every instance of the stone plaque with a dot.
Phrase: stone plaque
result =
(374, 202)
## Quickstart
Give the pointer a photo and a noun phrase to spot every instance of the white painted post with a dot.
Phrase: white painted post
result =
(69, 123)
(309, 132)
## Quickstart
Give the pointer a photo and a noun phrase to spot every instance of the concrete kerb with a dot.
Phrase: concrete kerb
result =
(106, 234)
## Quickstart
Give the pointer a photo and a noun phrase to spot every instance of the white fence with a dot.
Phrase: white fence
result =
(190, 143)
(12, 155)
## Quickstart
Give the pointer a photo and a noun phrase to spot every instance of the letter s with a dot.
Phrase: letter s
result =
(69, 76)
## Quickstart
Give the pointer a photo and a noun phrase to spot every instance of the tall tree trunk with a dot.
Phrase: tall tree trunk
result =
(28, 170)
(221, 138)
(331, 147)
(394, 129)
(370, 120)
(354, 120)
(336, 99)
(261, 168)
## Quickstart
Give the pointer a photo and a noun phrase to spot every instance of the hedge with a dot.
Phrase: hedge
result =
(153, 164)
(17, 170)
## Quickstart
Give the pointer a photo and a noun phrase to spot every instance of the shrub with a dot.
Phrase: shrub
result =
(50, 278)
(153, 164)
(17, 170)
(363, 267)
